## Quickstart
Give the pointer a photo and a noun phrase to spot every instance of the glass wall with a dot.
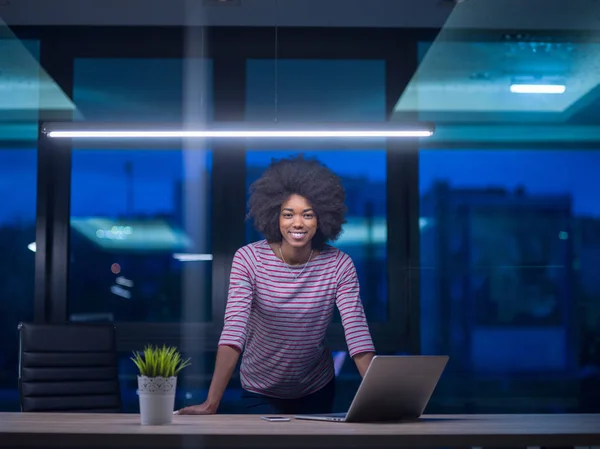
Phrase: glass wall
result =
(18, 180)
(510, 225)
(140, 213)
(140, 234)
(504, 195)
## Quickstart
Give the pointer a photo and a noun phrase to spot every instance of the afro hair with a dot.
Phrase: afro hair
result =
(308, 178)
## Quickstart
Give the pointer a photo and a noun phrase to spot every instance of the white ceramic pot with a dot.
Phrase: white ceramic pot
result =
(157, 399)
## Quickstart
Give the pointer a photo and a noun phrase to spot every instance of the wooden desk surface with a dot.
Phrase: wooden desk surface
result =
(45, 430)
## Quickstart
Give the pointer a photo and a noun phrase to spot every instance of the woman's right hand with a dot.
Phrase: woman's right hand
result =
(227, 358)
(202, 409)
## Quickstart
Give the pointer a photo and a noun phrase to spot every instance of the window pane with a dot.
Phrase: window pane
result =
(304, 90)
(508, 285)
(326, 90)
(18, 173)
(140, 235)
(509, 235)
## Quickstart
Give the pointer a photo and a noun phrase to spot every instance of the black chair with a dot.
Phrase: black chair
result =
(68, 368)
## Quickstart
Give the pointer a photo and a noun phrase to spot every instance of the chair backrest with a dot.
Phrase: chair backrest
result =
(68, 368)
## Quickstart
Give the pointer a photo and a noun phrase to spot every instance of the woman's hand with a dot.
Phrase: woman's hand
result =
(227, 358)
(202, 409)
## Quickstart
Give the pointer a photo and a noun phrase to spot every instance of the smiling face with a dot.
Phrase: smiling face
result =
(297, 221)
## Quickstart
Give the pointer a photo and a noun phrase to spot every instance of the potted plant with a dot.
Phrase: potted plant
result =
(157, 381)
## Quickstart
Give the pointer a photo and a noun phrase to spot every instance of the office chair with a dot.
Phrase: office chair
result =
(68, 368)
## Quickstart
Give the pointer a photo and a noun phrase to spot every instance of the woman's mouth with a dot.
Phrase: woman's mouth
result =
(298, 235)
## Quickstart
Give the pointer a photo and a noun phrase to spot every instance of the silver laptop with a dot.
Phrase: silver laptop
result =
(395, 388)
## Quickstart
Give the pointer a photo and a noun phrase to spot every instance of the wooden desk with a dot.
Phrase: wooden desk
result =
(41, 430)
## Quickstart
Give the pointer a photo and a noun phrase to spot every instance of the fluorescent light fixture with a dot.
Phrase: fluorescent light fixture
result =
(538, 88)
(82, 130)
(188, 257)
(306, 134)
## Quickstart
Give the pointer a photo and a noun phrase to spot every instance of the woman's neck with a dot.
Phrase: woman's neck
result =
(294, 256)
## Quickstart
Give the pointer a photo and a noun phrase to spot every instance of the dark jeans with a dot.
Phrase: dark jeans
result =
(320, 401)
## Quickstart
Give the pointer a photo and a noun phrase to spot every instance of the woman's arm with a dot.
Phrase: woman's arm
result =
(363, 360)
(227, 358)
(233, 336)
(356, 329)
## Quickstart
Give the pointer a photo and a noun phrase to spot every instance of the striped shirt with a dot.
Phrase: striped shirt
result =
(278, 316)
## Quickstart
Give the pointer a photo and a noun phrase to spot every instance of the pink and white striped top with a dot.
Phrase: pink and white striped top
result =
(279, 322)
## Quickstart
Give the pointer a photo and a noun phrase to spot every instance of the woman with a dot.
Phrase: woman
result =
(282, 295)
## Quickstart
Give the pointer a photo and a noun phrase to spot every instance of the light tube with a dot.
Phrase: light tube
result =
(81, 130)
(538, 88)
(189, 257)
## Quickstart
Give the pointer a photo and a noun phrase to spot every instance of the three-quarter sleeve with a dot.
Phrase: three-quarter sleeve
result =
(239, 301)
(354, 321)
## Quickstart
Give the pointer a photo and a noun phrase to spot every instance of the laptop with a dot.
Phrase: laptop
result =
(394, 388)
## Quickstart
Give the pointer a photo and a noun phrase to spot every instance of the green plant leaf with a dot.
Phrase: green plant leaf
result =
(155, 361)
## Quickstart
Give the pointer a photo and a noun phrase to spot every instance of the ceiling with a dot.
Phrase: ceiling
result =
(463, 87)
(470, 81)
(26, 88)
(481, 14)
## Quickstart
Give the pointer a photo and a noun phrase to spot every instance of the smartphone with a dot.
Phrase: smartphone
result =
(275, 418)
